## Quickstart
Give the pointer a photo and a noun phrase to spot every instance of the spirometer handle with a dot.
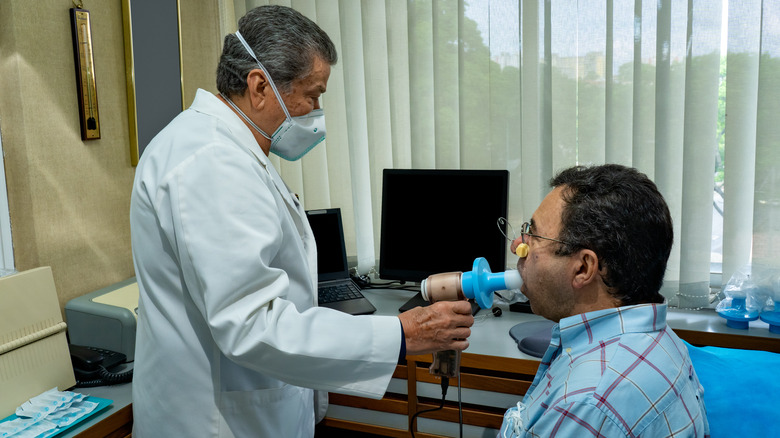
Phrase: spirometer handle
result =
(445, 363)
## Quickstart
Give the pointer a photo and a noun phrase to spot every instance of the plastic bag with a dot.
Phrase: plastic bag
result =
(770, 312)
(751, 291)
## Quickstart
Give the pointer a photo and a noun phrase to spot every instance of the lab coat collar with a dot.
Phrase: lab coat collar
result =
(207, 103)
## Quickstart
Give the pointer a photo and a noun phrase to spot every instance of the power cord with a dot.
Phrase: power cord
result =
(460, 409)
(445, 383)
(395, 284)
(363, 281)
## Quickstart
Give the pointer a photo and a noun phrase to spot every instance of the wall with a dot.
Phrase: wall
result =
(69, 199)
(201, 45)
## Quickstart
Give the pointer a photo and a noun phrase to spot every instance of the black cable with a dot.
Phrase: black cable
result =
(445, 383)
(394, 285)
(115, 378)
(460, 409)
(106, 378)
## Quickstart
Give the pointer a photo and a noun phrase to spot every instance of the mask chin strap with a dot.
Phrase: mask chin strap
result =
(244, 116)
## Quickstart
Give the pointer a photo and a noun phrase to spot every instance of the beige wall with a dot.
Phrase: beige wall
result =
(68, 198)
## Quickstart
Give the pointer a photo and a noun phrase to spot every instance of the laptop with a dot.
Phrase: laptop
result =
(335, 287)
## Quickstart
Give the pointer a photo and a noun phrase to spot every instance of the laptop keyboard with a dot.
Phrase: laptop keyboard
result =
(340, 292)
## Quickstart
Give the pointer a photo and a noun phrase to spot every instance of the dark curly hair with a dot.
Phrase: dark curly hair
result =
(618, 213)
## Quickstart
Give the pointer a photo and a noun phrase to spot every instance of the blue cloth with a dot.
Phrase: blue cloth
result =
(613, 372)
(741, 390)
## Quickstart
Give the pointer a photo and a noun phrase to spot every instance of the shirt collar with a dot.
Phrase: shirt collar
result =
(590, 327)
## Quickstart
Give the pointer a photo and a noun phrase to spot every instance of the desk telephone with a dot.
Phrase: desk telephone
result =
(92, 366)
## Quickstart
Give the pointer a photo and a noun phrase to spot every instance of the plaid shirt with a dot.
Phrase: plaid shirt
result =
(612, 373)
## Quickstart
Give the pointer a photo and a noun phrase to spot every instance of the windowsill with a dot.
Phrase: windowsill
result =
(706, 327)
(707, 320)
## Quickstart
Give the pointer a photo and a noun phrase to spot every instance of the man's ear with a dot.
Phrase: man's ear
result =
(586, 268)
(257, 88)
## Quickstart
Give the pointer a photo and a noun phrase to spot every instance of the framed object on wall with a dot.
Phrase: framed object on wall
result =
(153, 63)
(89, 117)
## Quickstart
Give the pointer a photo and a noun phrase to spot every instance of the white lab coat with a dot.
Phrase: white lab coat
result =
(229, 336)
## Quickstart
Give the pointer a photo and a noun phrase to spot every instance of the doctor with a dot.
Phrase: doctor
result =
(230, 341)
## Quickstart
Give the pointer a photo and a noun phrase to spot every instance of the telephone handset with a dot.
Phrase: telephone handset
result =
(91, 366)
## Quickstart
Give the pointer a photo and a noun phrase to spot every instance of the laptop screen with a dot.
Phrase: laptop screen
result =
(331, 250)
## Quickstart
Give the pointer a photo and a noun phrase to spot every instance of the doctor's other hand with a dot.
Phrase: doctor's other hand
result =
(443, 325)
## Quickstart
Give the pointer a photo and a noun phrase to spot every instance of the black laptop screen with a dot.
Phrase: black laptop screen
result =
(331, 251)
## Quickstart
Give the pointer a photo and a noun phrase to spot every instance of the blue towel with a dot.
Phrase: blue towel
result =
(741, 390)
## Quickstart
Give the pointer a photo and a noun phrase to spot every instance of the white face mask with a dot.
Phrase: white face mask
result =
(296, 135)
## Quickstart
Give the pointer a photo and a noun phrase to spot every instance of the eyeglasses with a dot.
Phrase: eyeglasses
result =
(525, 230)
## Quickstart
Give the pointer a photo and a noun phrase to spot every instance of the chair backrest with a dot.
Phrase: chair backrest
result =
(741, 390)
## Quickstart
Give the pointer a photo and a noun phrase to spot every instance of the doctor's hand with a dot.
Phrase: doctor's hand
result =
(443, 325)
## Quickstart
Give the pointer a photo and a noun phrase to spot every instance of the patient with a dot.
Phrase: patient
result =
(597, 251)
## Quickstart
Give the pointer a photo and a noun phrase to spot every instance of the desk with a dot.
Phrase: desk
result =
(116, 421)
(494, 374)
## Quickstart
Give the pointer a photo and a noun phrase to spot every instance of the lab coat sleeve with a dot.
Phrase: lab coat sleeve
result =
(232, 232)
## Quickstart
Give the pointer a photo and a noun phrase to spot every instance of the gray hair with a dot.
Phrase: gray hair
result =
(285, 41)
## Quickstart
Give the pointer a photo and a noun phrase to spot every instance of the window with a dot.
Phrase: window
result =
(534, 86)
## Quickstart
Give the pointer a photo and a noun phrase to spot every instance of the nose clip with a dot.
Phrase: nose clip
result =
(522, 249)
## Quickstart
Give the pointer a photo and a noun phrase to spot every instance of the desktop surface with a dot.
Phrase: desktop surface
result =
(120, 395)
(489, 334)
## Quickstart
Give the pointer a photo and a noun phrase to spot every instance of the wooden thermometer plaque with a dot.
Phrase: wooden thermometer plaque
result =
(85, 74)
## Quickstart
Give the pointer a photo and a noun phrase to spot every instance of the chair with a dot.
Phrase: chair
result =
(741, 390)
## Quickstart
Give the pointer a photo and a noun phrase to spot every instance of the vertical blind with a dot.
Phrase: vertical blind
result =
(684, 90)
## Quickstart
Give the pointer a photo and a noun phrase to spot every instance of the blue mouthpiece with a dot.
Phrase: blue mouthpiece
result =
(480, 283)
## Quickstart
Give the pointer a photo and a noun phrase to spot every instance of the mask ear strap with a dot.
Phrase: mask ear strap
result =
(245, 117)
(267, 75)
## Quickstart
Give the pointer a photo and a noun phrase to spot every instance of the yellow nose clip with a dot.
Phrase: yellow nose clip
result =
(522, 250)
